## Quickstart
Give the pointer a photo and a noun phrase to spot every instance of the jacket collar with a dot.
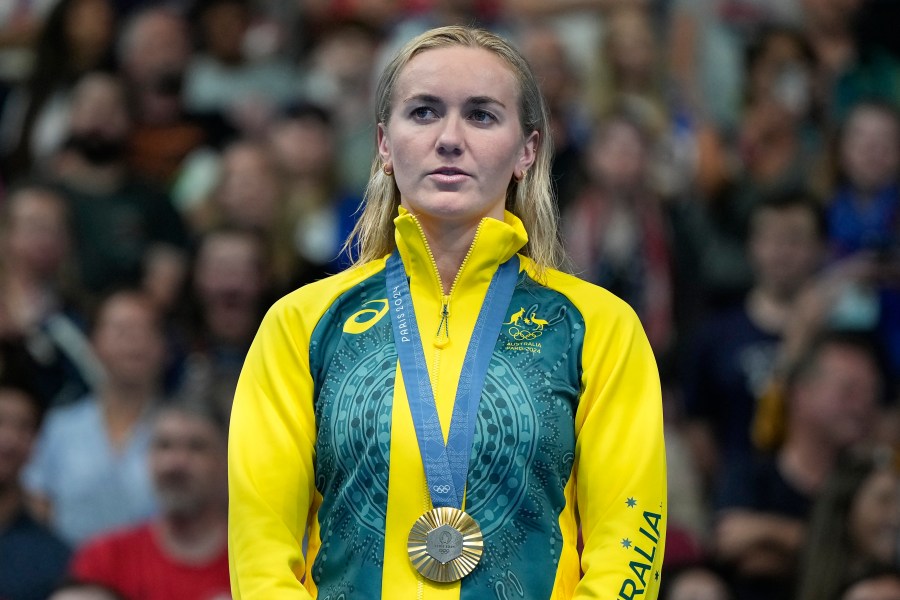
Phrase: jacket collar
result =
(495, 242)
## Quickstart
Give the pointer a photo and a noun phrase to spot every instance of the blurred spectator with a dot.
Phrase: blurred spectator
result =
(687, 537)
(630, 69)
(829, 26)
(20, 26)
(697, 583)
(778, 149)
(616, 232)
(89, 472)
(182, 553)
(117, 218)
(864, 213)
(154, 51)
(851, 69)
(221, 78)
(251, 194)
(569, 119)
(708, 41)
(339, 74)
(861, 288)
(34, 559)
(764, 508)
(579, 23)
(880, 585)
(855, 525)
(37, 286)
(76, 38)
(864, 219)
(303, 145)
(231, 294)
(732, 354)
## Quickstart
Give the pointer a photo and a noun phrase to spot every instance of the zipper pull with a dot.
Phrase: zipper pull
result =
(443, 333)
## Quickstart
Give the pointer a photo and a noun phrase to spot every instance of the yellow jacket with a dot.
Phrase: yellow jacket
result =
(323, 453)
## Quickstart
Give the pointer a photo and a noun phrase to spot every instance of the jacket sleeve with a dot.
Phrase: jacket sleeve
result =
(271, 460)
(620, 463)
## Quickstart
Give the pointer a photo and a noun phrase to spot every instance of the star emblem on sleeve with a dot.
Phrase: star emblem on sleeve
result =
(631, 502)
(626, 543)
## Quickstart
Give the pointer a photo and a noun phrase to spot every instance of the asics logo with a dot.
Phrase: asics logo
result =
(363, 320)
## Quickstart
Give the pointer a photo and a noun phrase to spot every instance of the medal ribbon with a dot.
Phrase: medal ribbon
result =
(446, 466)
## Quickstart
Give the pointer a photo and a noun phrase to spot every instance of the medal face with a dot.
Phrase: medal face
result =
(445, 544)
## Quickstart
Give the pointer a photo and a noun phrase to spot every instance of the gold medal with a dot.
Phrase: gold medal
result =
(445, 544)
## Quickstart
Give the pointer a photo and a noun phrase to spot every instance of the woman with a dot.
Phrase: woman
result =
(327, 441)
(855, 525)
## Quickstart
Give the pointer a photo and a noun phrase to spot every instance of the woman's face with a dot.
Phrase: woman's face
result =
(618, 156)
(875, 517)
(249, 192)
(38, 233)
(454, 139)
(870, 149)
(632, 45)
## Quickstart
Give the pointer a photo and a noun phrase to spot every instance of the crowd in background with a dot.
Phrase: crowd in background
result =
(730, 168)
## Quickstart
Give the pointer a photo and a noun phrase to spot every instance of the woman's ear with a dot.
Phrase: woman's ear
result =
(384, 145)
(528, 155)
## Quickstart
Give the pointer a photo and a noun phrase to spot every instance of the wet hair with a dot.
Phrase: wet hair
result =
(530, 199)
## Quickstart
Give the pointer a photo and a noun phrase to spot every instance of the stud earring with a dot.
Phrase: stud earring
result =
(387, 169)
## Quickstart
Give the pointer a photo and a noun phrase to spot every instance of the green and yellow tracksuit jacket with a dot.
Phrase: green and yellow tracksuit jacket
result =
(323, 453)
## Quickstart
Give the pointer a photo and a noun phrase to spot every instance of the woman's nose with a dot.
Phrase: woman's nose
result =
(450, 140)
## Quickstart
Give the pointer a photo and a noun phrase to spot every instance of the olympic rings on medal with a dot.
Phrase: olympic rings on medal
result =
(441, 489)
(524, 334)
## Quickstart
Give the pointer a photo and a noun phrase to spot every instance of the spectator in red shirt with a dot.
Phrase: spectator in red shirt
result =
(182, 553)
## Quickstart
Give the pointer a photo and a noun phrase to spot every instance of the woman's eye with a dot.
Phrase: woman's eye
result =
(481, 116)
(423, 112)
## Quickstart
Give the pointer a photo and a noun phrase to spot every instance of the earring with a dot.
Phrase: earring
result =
(387, 169)
(520, 176)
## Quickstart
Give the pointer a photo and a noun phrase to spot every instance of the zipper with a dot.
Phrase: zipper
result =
(442, 336)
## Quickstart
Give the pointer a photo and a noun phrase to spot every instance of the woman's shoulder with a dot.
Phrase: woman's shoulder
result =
(588, 298)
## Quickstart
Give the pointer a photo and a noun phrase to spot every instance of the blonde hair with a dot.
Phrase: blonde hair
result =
(531, 199)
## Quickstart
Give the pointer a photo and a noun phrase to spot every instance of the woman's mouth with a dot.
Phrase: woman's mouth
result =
(448, 175)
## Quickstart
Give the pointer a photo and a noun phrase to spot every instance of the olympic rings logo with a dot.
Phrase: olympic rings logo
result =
(520, 334)
(441, 489)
